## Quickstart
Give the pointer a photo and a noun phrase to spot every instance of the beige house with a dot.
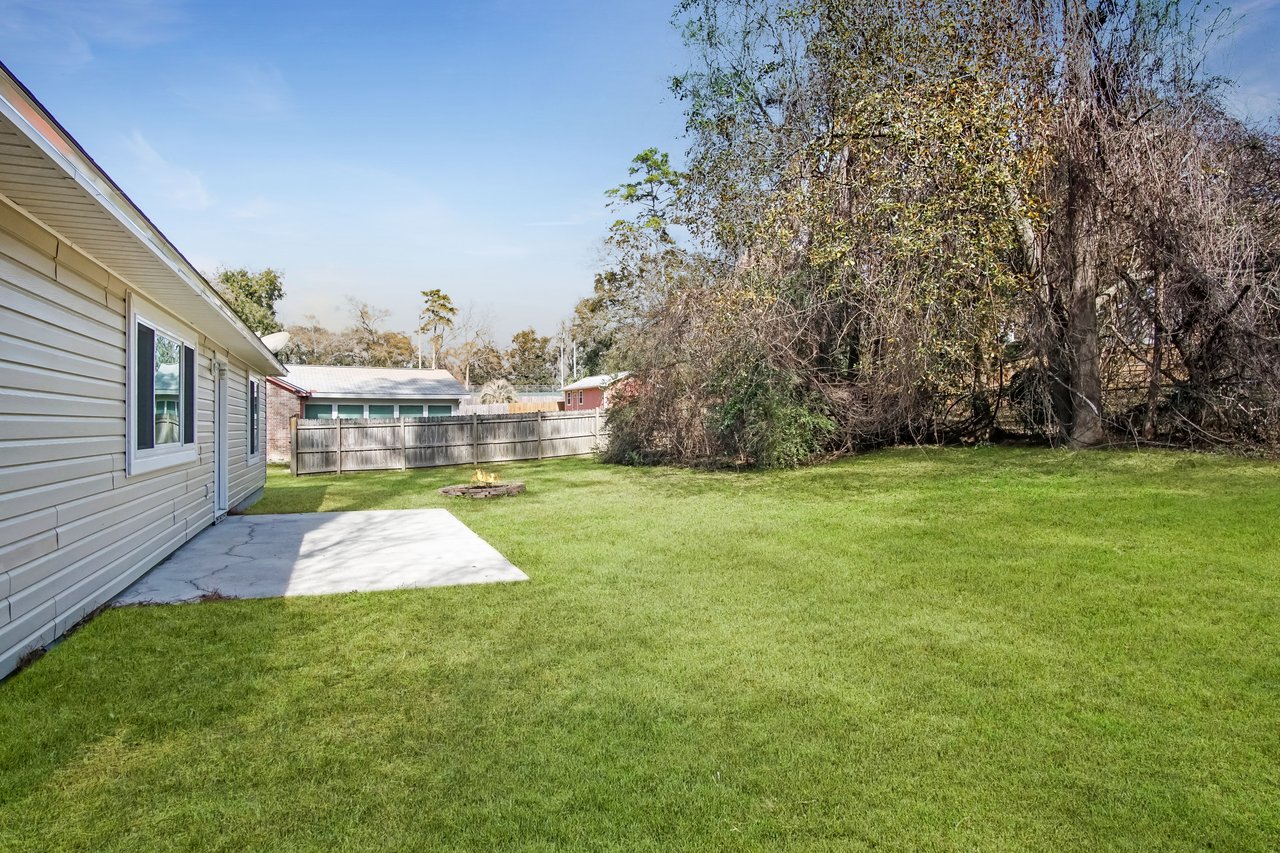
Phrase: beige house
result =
(131, 411)
(324, 392)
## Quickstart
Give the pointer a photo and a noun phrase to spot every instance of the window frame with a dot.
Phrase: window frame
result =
(159, 457)
(424, 410)
(253, 416)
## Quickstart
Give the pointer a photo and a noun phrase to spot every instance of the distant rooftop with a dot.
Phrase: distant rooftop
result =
(326, 381)
(603, 380)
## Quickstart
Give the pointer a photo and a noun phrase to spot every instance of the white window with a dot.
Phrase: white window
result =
(162, 395)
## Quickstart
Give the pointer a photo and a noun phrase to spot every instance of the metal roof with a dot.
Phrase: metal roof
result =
(367, 382)
(603, 380)
(46, 174)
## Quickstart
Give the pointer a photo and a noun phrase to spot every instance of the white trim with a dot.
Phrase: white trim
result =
(364, 410)
(184, 455)
(170, 455)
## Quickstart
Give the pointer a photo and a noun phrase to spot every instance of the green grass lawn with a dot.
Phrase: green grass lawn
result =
(924, 649)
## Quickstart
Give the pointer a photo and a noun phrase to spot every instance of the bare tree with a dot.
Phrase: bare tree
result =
(465, 342)
(923, 221)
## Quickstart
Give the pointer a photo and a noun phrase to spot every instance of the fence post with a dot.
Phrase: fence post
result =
(475, 439)
(293, 445)
(539, 436)
(404, 446)
(339, 445)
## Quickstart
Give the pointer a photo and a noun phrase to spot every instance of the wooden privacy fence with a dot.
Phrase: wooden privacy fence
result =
(379, 444)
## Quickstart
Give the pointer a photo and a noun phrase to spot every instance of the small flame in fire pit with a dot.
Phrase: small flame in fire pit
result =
(484, 477)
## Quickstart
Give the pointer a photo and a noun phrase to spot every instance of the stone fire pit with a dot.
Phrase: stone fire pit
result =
(483, 490)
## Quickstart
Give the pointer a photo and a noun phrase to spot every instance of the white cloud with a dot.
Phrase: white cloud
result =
(497, 251)
(255, 208)
(64, 32)
(1254, 99)
(180, 186)
(243, 90)
(1251, 7)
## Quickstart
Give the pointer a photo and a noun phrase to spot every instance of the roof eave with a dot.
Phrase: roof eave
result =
(26, 112)
(288, 386)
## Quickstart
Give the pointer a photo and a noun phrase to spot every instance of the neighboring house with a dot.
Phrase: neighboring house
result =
(321, 391)
(590, 392)
(129, 416)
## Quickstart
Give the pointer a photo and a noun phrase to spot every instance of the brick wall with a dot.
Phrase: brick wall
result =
(281, 406)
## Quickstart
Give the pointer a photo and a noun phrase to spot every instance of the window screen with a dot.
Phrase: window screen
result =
(439, 411)
(164, 385)
(317, 410)
(350, 411)
(167, 390)
(381, 410)
(410, 411)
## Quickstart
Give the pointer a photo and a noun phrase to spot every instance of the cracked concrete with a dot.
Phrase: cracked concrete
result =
(265, 556)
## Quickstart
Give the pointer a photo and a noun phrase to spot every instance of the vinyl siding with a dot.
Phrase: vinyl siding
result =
(75, 529)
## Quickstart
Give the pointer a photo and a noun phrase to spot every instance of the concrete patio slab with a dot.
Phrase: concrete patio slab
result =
(265, 556)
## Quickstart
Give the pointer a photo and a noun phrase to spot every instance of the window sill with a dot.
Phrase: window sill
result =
(161, 461)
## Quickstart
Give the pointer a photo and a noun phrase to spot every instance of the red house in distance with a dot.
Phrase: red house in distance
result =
(590, 392)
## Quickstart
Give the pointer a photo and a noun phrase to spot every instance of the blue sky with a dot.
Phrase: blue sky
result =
(378, 148)
(366, 148)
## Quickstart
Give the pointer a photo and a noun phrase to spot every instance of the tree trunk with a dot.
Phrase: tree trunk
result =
(1083, 144)
(1157, 359)
(1085, 428)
